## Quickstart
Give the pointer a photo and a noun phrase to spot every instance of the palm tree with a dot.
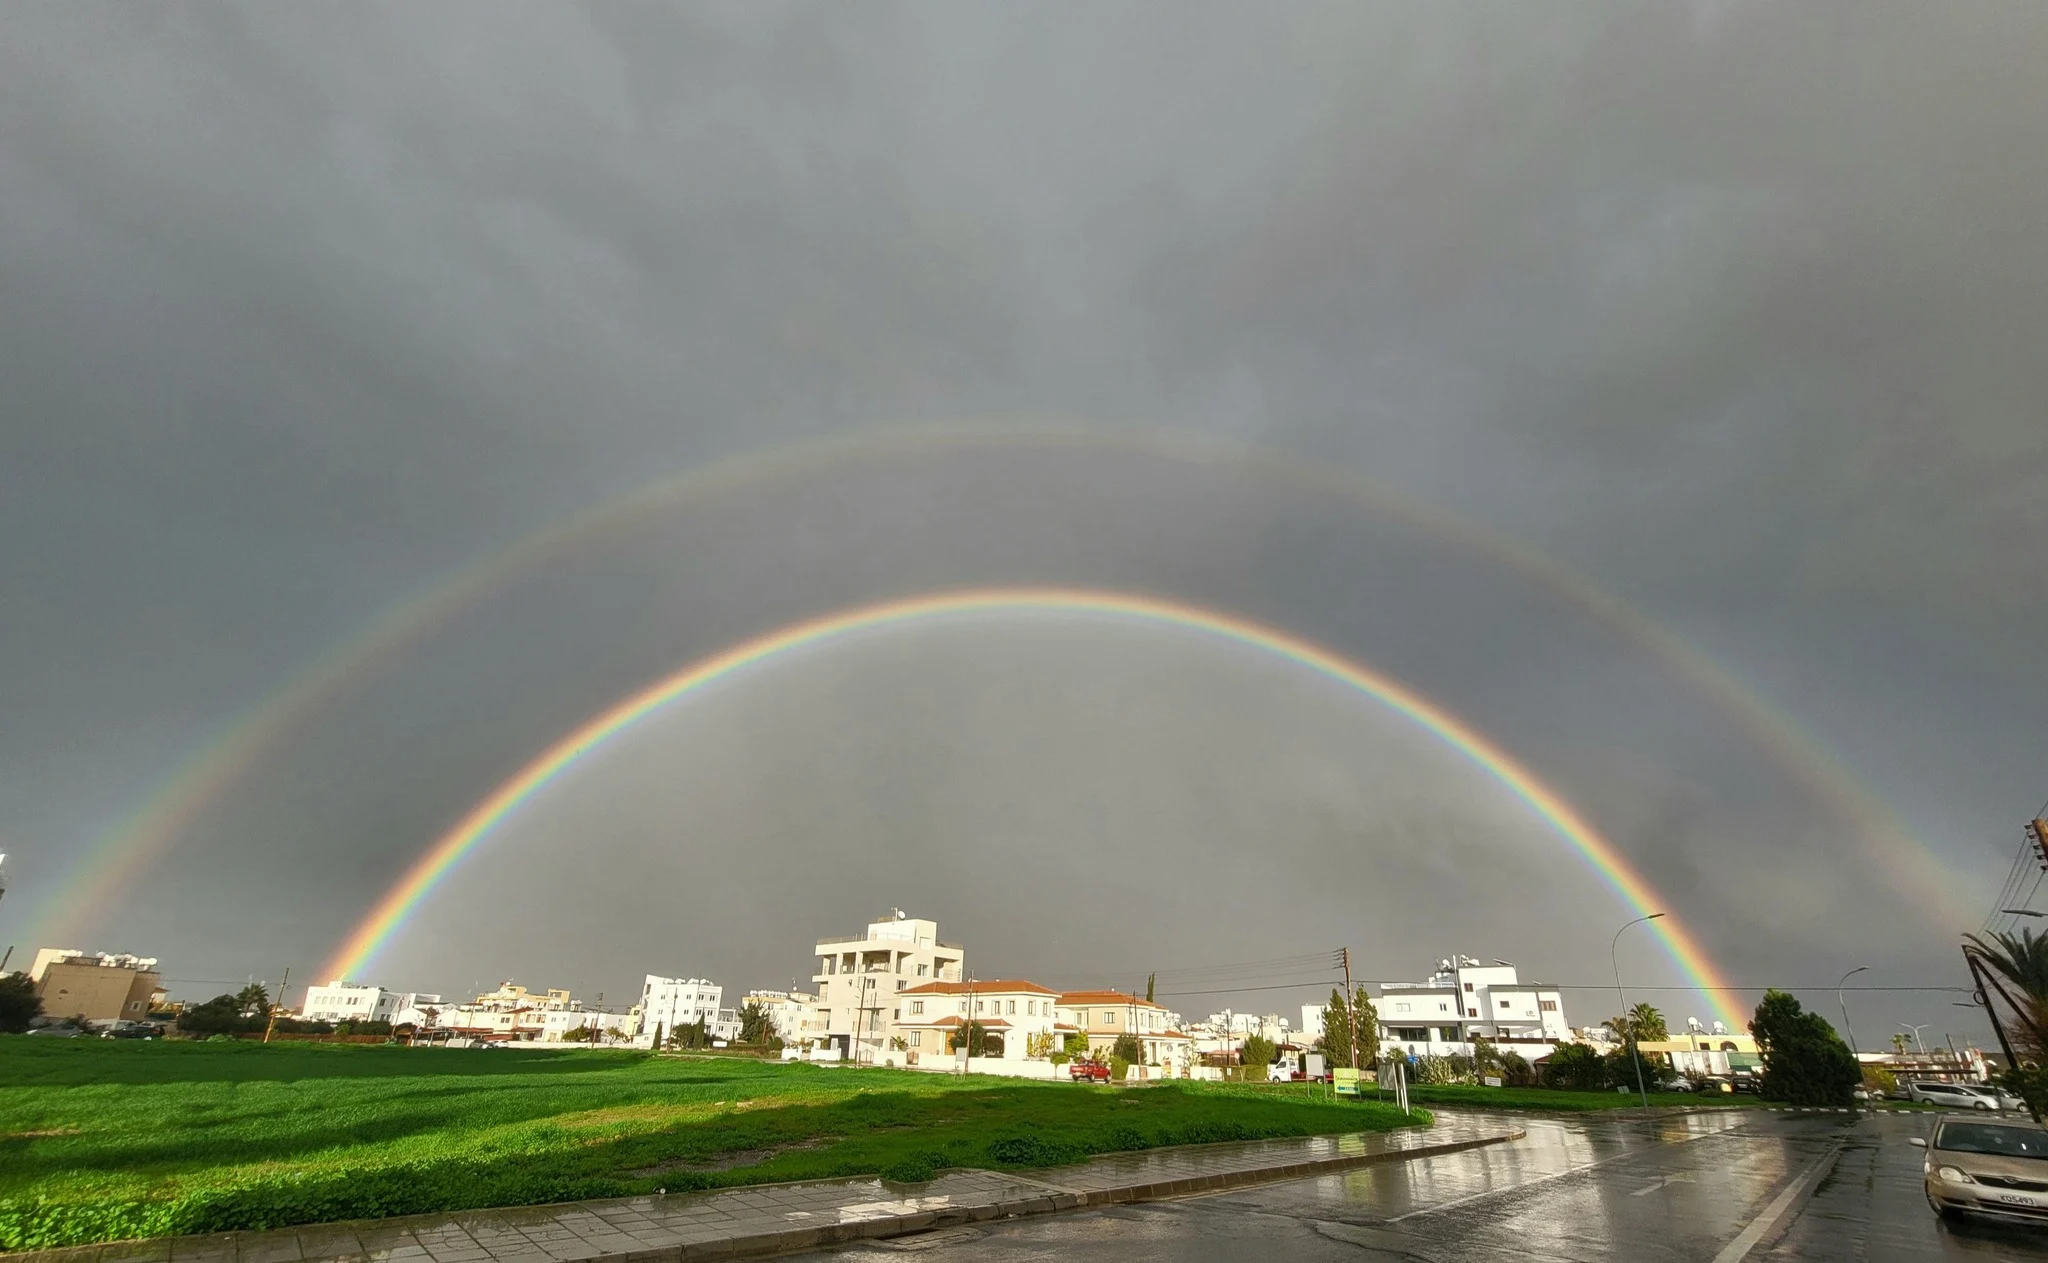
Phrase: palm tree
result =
(1642, 1022)
(2020, 963)
(1649, 1023)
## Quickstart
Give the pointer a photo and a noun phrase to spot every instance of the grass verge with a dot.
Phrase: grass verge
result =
(104, 1140)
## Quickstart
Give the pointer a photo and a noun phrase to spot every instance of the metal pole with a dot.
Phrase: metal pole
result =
(1628, 1027)
(1919, 1042)
(276, 1004)
(1853, 1050)
(1351, 1016)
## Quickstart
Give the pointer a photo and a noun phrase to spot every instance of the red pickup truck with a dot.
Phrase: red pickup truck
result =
(1090, 1071)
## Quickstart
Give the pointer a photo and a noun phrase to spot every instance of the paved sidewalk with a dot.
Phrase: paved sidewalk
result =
(772, 1218)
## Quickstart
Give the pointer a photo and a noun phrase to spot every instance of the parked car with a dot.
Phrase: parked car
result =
(57, 1030)
(1712, 1083)
(125, 1029)
(1954, 1095)
(1088, 1071)
(1999, 1097)
(1987, 1167)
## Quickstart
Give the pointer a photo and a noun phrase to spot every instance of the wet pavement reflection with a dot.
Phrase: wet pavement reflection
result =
(1712, 1187)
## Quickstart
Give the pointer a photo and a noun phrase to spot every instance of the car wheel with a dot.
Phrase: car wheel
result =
(1949, 1213)
(1986, 1106)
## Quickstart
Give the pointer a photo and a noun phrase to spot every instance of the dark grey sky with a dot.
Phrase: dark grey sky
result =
(1735, 308)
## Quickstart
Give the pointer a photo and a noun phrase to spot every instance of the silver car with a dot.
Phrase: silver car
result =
(1954, 1095)
(1988, 1167)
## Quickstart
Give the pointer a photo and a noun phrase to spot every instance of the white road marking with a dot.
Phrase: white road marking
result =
(1737, 1250)
(1682, 1177)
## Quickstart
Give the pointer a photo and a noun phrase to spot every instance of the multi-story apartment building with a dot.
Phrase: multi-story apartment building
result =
(97, 988)
(341, 1001)
(1462, 1001)
(860, 981)
(669, 1003)
(794, 1014)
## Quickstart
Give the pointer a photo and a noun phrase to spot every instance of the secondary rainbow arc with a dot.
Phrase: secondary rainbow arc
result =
(389, 915)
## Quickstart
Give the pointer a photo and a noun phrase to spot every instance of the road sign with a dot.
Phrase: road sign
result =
(1346, 1080)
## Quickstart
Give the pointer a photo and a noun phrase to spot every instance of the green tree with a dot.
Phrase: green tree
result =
(1151, 980)
(1515, 1070)
(1076, 1045)
(696, 1034)
(1642, 1022)
(578, 1035)
(1574, 1065)
(657, 1044)
(756, 1023)
(1485, 1057)
(1335, 1044)
(1259, 1051)
(980, 1041)
(1129, 1048)
(1805, 1062)
(19, 1003)
(254, 1000)
(1623, 1063)
(222, 1015)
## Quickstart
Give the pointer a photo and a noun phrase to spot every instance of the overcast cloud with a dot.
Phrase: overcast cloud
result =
(1734, 307)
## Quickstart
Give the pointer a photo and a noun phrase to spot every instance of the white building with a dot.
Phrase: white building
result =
(668, 1004)
(610, 1028)
(341, 1001)
(1016, 1015)
(861, 981)
(794, 1015)
(1465, 1000)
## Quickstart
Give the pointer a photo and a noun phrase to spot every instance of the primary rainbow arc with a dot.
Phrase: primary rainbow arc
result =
(392, 911)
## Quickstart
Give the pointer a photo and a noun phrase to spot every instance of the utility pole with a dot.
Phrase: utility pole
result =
(278, 1003)
(1628, 1027)
(1351, 1015)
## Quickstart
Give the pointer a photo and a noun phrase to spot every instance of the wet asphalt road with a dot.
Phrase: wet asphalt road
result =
(1709, 1187)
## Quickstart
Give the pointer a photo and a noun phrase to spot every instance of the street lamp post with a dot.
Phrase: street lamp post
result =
(1845, 1005)
(1627, 1027)
(1921, 1043)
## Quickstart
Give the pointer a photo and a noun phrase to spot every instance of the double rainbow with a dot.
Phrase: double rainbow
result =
(392, 911)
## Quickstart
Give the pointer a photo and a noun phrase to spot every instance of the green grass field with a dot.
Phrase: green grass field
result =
(103, 1140)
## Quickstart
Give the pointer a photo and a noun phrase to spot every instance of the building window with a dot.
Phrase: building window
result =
(1031, 1008)
(901, 983)
(1548, 1006)
(1471, 1012)
(977, 1006)
(1013, 1007)
(917, 1039)
(1081, 1017)
(1468, 986)
(921, 969)
(916, 1007)
(1401, 1006)
(1503, 1002)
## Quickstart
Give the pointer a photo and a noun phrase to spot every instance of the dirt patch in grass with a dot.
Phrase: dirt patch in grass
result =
(735, 1160)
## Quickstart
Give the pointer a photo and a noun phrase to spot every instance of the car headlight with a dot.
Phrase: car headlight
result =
(1953, 1175)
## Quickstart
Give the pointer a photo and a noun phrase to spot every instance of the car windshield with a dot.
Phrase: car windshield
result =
(1993, 1138)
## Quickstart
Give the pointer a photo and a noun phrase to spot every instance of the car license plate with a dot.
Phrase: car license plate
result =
(2020, 1199)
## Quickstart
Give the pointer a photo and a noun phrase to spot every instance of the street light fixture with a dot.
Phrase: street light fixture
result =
(1627, 1027)
(1921, 1043)
(1845, 1005)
